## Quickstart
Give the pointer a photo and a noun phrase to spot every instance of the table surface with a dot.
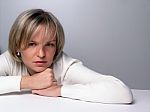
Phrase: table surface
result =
(26, 102)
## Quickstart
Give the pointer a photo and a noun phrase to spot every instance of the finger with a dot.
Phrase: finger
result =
(34, 91)
(54, 80)
(54, 83)
(38, 92)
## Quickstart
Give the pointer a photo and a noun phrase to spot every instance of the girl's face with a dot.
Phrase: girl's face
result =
(40, 51)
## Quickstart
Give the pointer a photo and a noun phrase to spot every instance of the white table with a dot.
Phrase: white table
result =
(26, 102)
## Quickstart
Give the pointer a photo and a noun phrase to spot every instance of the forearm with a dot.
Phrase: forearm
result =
(14, 83)
(104, 91)
(85, 84)
(25, 82)
(40, 80)
(52, 91)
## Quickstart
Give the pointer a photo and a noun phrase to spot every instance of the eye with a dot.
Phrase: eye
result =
(50, 45)
(31, 44)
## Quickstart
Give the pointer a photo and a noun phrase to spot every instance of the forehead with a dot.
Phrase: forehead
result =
(44, 33)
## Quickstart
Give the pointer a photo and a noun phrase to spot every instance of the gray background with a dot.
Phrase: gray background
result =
(109, 36)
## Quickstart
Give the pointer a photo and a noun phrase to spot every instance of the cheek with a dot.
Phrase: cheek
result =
(50, 55)
(26, 56)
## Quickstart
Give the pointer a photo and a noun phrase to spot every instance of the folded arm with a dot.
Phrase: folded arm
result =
(84, 84)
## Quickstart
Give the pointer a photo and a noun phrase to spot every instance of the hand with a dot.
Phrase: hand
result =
(39, 80)
(53, 91)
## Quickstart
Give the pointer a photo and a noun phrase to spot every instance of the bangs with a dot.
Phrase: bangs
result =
(33, 26)
(50, 30)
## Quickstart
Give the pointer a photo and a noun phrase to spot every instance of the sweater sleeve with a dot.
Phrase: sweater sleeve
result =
(9, 80)
(9, 84)
(84, 84)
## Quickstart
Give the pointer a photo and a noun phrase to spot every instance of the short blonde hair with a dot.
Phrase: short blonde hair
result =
(24, 26)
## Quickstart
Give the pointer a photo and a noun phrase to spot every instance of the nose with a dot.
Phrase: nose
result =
(41, 52)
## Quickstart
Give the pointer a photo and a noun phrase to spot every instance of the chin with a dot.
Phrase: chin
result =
(40, 69)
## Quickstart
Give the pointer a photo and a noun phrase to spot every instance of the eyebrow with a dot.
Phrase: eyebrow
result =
(46, 42)
(51, 40)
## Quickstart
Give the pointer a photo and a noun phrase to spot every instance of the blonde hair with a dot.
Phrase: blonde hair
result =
(24, 26)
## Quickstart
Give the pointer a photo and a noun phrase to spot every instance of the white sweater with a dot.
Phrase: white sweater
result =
(79, 82)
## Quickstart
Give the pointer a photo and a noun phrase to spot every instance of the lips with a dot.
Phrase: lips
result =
(40, 63)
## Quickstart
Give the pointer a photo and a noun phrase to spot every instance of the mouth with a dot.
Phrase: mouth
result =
(40, 63)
